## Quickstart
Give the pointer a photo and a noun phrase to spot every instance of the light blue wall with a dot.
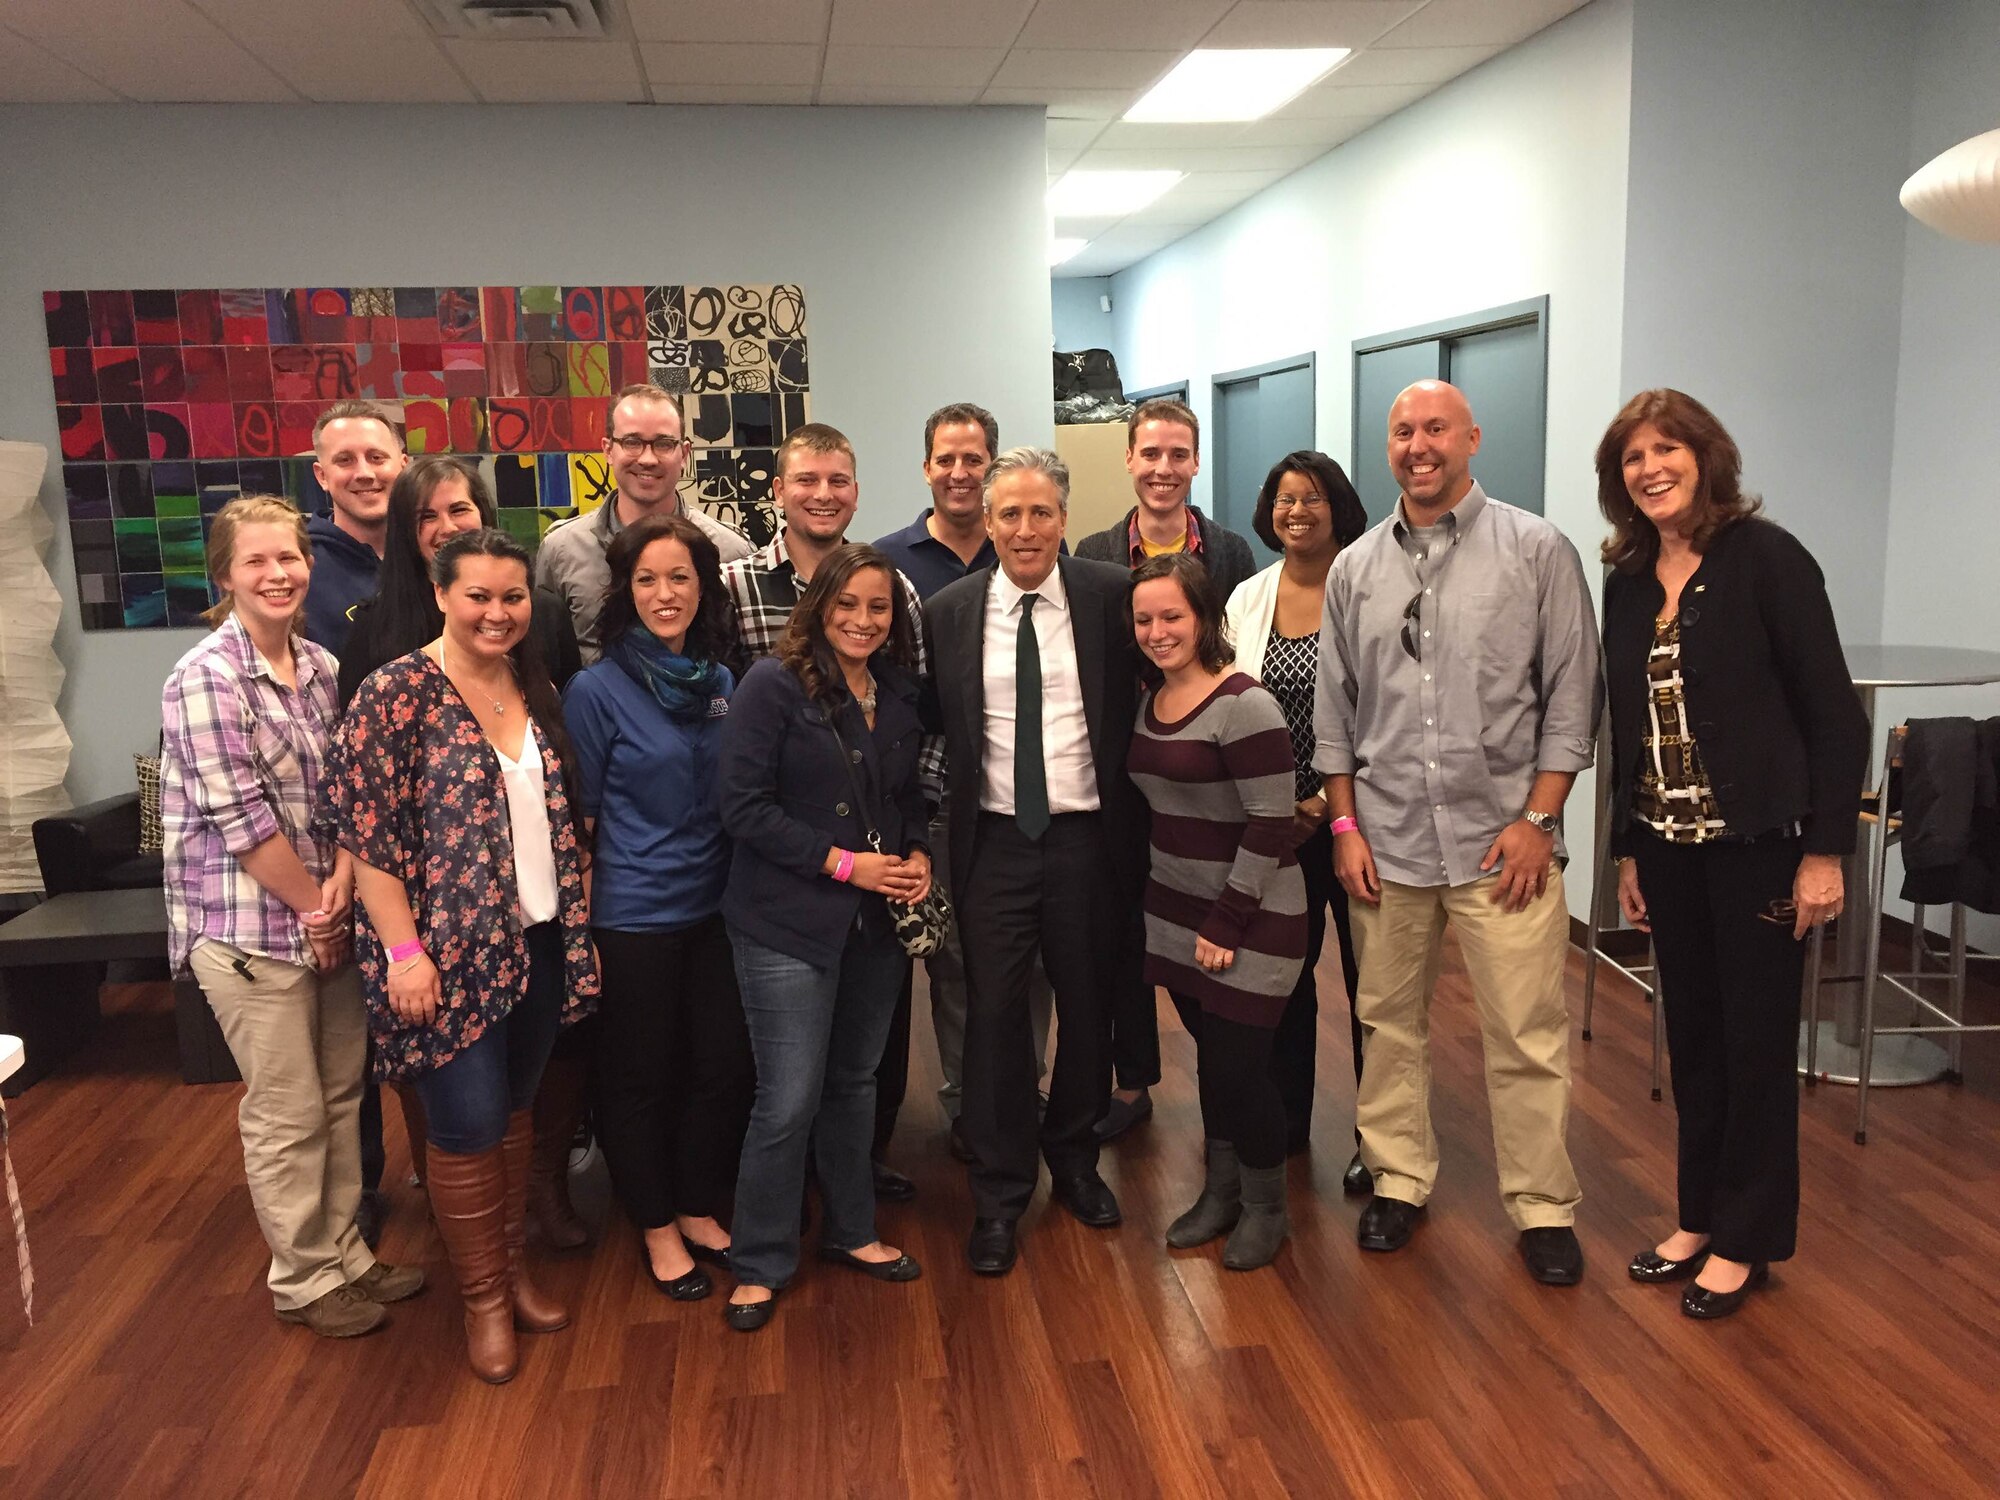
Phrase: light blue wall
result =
(840, 201)
(1080, 320)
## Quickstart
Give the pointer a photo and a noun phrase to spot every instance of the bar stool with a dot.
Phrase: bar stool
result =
(1604, 886)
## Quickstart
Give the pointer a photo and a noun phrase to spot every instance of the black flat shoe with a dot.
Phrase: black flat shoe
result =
(748, 1317)
(892, 1186)
(1700, 1302)
(692, 1287)
(902, 1268)
(1552, 1254)
(1386, 1223)
(1089, 1198)
(1357, 1181)
(709, 1253)
(1123, 1115)
(990, 1251)
(1650, 1266)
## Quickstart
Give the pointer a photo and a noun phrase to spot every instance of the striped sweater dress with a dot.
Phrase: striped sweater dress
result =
(1223, 864)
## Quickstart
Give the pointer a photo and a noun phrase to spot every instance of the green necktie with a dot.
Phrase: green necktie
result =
(1031, 776)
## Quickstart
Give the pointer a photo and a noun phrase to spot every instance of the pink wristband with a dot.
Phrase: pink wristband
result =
(845, 868)
(402, 951)
(1345, 825)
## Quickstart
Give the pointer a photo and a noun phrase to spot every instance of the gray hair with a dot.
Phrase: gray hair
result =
(1041, 461)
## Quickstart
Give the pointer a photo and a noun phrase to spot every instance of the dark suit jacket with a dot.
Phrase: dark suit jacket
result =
(1107, 661)
(1226, 555)
(786, 799)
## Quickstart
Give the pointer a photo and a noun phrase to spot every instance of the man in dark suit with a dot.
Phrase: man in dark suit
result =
(1047, 836)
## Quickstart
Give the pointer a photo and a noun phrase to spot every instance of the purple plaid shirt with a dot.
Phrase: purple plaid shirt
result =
(240, 761)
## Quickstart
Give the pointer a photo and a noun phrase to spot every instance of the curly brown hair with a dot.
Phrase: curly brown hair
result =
(1719, 499)
(804, 649)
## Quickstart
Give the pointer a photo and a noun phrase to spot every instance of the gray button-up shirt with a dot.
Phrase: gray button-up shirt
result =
(1444, 750)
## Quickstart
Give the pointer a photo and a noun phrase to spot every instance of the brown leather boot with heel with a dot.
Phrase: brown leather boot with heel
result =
(469, 1203)
(534, 1310)
(559, 1106)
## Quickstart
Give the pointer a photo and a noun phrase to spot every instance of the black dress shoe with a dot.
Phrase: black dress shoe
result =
(960, 1151)
(748, 1317)
(1553, 1255)
(892, 1186)
(1089, 1198)
(1651, 1266)
(709, 1253)
(368, 1216)
(1700, 1302)
(692, 1287)
(1357, 1179)
(991, 1251)
(1123, 1115)
(1387, 1223)
(902, 1268)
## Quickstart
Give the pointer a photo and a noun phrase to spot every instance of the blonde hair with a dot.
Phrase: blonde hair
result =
(248, 510)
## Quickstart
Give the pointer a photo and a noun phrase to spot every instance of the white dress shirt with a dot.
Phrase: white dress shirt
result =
(1072, 775)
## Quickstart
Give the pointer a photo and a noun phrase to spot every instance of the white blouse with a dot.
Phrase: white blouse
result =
(534, 841)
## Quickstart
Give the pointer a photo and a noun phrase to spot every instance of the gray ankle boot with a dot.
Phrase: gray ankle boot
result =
(1215, 1211)
(1264, 1224)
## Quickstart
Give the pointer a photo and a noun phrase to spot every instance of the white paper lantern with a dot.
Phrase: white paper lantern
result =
(1958, 191)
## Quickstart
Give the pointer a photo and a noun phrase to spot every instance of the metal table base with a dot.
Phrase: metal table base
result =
(1900, 1061)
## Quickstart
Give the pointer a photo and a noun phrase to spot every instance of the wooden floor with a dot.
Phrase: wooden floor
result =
(1104, 1366)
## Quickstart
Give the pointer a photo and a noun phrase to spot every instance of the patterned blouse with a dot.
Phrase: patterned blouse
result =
(1291, 671)
(413, 787)
(1673, 797)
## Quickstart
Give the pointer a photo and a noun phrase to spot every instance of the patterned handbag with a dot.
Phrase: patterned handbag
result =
(921, 926)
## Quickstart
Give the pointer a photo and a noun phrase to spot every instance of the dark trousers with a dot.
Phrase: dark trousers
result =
(1295, 1050)
(1053, 896)
(1731, 984)
(673, 1068)
(892, 1078)
(374, 1155)
(1234, 1074)
(1135, 1016)
(467, 1101)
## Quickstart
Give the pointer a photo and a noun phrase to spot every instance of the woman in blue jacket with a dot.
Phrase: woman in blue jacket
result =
(673, 1059)
(819, 747)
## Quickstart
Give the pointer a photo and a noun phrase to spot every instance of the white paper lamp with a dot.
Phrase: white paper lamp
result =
(1958, 191)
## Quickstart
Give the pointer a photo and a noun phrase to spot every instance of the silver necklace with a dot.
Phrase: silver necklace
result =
(499, 708)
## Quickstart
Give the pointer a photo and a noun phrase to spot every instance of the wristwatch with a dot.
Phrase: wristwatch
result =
(1544, 821)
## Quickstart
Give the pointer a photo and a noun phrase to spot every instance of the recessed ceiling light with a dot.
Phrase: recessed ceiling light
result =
(1066, 249)
(1103, 195)
(1215, 84)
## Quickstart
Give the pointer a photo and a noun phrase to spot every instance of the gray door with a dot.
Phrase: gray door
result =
(1259, 416)
(1379, 377)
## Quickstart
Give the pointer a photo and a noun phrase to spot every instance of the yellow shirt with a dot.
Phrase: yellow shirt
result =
(1178, 544)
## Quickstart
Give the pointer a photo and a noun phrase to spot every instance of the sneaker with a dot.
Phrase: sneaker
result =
(342, 1313)
(383, 1282)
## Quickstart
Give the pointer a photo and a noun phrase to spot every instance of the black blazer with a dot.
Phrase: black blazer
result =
(1780, 726)
(1107, 662)
(1226, 555)
(786, 799)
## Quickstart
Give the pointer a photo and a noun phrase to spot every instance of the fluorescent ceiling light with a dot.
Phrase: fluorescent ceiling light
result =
(1215, 84)
(1103, 195)
(1062, 250)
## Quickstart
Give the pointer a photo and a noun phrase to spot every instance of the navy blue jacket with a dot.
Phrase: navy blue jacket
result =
(786, 800)
(345, 573)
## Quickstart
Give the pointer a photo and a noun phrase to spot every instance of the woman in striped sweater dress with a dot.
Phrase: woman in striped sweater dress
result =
(1226, 903)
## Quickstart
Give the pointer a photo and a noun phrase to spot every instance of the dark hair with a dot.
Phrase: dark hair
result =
(1211, 642)
(404, 614)
(711, 633)
(1719, 500)
(530, 671)
(1349, 519)
(1163, 409)
(962, 411)
(804, 649)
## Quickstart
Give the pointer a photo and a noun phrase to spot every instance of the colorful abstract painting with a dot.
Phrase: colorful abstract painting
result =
(172, 402)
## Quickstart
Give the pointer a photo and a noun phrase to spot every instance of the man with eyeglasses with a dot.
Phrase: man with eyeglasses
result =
(647, 452)
(1459, 687)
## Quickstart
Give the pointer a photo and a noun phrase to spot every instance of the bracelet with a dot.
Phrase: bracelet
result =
(844, 869)
(403, 968)
(414, 948)
(1345, 825)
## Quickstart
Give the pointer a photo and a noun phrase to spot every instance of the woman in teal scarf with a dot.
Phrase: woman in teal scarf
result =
(675, 1078)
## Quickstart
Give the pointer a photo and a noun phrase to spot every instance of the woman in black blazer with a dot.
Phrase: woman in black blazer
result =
(820, 743)
(1738, 748)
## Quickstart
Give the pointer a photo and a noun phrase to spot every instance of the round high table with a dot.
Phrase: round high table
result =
(1898, 1060)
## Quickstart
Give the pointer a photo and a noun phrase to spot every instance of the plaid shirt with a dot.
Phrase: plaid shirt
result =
(765, 588)
(240, 761)
(1135, 545)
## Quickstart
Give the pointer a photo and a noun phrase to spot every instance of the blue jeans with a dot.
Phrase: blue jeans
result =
(817, 1034)
(468, 1100)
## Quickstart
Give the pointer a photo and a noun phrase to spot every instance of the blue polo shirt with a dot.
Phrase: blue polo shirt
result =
(649, 780)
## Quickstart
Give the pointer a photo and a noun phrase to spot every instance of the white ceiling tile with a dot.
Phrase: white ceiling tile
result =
(1388, 69)
(1085, 229)
(1067, 104)
(1075, 134)
(1231, 182)
(1129, 242)
(1185, 203)
(736, 21)
(1478, 23)
(927, 23)
(1121, 25)
(1059, 161)
(245, 19)
(1308, 23)
(741, 93)
(341, 67)
(908, 67)
(550, 72)
(1322, 133)
(1032, 68)
(1330, 100)
(911, 94)
(1145, 135)
(1199, 159)
(174, 55)
(29, 75)
(730, 62)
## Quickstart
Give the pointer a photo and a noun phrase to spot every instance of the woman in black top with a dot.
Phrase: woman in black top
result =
(1739, 746)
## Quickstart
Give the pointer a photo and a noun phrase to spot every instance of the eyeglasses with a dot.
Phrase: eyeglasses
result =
(1412, 618)
(1310, 502)
(632, 445)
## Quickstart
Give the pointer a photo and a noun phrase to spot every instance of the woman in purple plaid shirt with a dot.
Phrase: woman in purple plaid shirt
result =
(258, 908)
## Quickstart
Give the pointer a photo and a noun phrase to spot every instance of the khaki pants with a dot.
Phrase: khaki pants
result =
(1515, 961)
(299, 1038)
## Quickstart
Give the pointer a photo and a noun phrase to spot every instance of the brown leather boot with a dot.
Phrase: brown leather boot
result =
(469, 1203)
(559, 1105)
(534, 1310)
(415, 1127)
